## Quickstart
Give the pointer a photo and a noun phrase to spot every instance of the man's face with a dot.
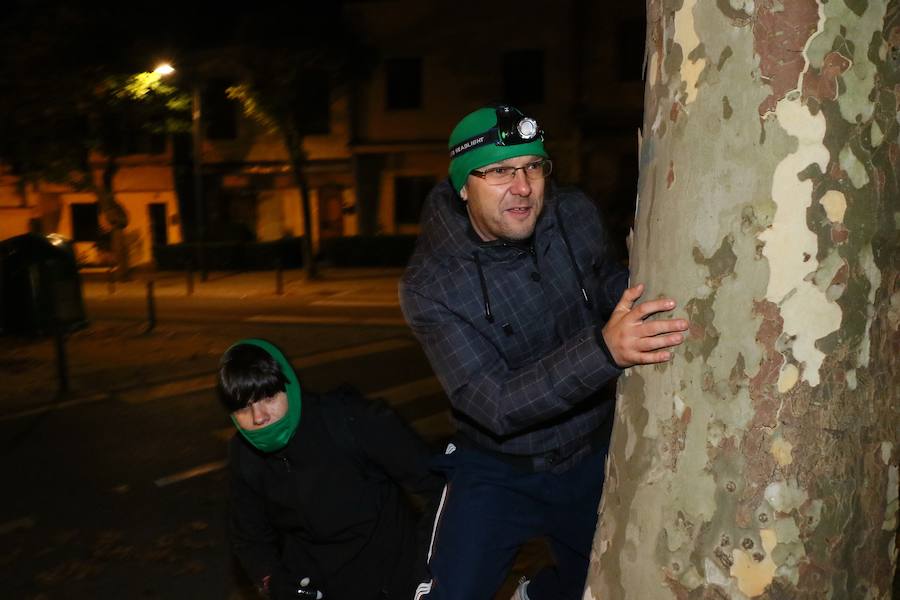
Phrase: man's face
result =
(507, 211)
(262, 412)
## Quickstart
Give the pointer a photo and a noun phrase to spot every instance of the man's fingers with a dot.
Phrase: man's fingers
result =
(651, 307)
(647, 344)
(651, 328)
(629, 297)
(649, 358)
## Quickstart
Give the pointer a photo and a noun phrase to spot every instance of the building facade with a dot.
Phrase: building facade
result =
(575, 65)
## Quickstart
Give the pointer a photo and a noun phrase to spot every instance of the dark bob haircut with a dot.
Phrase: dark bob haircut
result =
(247, 373)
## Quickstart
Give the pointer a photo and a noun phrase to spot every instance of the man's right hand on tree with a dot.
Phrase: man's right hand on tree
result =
(632, 339)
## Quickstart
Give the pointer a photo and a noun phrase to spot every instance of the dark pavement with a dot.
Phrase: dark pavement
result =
(117, 489)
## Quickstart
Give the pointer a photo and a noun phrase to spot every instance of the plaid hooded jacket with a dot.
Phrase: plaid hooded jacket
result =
(511, 329)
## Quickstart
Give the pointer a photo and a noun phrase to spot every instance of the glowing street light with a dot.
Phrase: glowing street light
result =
(164, 69)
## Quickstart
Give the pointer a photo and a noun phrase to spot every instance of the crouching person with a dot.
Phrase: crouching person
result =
(318, 508)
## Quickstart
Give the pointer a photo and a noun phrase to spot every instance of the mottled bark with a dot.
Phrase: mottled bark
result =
(762, 462)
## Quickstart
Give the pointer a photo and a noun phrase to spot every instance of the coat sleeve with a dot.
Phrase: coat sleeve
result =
(482, 386)
(254, 541)
(388, 442)
(400, 453)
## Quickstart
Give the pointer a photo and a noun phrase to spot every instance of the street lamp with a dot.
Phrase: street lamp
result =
(164, 69)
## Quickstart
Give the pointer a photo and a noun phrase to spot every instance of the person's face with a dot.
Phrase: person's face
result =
(262, 412)
(507, 211)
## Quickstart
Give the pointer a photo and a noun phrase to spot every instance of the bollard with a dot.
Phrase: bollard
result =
(111, 281)
(279, 279)
(62, 364)
(189, 273)
(151, 308)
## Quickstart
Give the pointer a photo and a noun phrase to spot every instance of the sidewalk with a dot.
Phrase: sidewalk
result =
(114, 359)
(229, 284)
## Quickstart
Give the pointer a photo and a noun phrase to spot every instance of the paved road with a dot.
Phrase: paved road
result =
(118, 492)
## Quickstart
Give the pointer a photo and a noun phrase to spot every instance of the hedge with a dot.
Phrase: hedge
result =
(355, 251)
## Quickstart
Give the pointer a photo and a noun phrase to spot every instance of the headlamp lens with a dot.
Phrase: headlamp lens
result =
(515, 128)
(527, 128)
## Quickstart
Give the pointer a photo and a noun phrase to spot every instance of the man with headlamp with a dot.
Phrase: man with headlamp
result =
(524, 317)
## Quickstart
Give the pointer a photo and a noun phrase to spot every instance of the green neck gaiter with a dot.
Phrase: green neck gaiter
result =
(275, 436)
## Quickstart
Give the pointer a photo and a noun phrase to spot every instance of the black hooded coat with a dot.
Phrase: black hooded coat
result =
(331, 505)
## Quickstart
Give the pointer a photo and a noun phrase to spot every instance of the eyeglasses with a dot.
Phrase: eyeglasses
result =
(503, 175)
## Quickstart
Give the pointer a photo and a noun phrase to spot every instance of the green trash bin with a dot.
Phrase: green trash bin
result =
(40, 288)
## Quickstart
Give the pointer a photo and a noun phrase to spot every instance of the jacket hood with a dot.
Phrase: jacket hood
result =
(276, 435)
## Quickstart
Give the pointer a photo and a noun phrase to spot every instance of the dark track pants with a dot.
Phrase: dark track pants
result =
(489, 509)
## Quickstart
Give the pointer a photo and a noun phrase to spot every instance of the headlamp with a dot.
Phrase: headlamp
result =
(512, 128)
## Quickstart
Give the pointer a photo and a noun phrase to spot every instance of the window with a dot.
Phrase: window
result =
(409, 195)
(159, 233)
(85, 222)
(630, 47)
(218, 111)
(403, 83)
(523, 76)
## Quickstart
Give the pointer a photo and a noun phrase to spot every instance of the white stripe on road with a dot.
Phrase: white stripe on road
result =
(327, 320)
(16, 525)
(209, 467)
(207, 382)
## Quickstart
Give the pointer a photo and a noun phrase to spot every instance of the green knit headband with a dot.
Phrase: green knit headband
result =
(469, 130)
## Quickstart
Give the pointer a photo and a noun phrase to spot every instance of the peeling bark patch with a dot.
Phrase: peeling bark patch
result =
(703, 338)
(670, 176)
(788, 377)
(857, 6)
(838, 284)
(835, 205)
(739, 17)
(854, 168)
(686, 37)
(754, 571)
(785, 496)
(721, 263)
(726, 108)
(724, 56)
(769, 331)
(790, 246)
(672, 434)
(822, 84)
(839, 234)
(780, 33)
(781, 450)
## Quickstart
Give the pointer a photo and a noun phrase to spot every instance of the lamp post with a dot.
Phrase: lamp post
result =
(199, 204)
(197, 142)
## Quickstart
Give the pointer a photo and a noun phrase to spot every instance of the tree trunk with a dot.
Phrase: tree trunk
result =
(116, 218)
(294, 143)
(762, 462)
